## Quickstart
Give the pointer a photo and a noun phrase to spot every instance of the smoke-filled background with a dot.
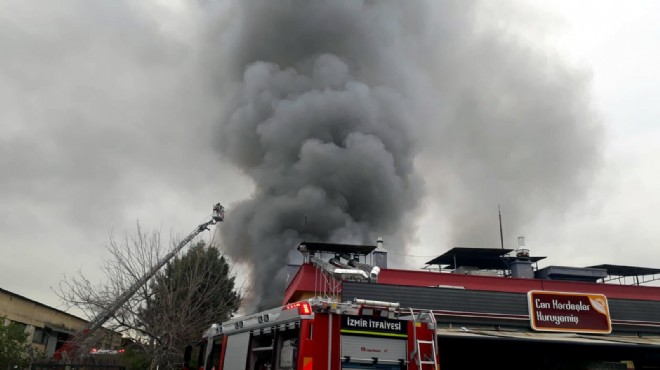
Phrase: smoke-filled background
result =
(339, 110)
(336, 121)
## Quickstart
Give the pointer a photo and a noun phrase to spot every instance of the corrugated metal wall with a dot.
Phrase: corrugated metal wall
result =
(483, 301)
(440, 298)
(628, 309)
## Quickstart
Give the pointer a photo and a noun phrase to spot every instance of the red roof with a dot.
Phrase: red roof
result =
(307, 275)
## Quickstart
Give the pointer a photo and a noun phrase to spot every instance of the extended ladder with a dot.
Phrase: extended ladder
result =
(417, 354)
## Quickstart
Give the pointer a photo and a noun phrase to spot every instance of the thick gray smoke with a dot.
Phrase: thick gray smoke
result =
(338, 109)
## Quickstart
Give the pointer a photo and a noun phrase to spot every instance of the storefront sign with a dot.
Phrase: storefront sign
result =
(569, 312)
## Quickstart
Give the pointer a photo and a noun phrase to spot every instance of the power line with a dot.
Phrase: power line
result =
(410, 255)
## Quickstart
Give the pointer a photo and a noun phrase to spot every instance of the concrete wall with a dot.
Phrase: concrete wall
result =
(40, 319)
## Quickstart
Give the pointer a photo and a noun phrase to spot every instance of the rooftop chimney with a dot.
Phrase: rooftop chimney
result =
(522, 251)
(380, 255)
(521, 267)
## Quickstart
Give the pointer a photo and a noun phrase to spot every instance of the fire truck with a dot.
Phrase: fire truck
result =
(322, 333)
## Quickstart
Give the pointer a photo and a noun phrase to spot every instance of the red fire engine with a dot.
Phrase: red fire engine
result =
(321, 333)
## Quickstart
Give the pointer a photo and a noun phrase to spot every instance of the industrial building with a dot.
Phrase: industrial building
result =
(495, 308)
(48, 327)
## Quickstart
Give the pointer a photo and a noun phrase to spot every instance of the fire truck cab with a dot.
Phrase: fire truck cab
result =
(323, 334)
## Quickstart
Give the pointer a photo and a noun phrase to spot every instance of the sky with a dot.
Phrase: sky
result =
(616, 221)
(113, 113)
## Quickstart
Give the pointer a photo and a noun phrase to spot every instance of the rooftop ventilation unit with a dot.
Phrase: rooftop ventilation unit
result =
(585, 274)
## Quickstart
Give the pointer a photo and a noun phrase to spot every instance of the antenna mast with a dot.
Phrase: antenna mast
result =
(305, 230)
(501, 234)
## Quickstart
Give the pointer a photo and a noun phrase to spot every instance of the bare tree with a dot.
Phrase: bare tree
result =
(172, 309)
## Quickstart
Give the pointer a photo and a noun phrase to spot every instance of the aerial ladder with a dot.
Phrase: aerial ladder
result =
(80, 339)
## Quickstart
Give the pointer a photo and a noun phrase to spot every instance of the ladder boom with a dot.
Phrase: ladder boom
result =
(105, 315)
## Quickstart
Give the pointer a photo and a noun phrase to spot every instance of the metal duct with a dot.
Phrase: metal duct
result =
(336, 262)
(340, 273)
(373, 271)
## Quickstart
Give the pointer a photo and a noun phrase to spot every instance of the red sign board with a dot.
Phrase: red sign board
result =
(569, 312)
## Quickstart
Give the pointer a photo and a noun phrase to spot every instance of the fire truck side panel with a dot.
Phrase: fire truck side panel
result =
(288, 346)
(320, 351)
(335, 339)
(236, 351)
(317, 348)
(307, 353)
(362, 349)
(411, 346)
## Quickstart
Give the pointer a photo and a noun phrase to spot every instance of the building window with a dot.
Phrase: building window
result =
(39, 336)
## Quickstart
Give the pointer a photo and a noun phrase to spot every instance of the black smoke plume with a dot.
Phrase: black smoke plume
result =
(339, 109)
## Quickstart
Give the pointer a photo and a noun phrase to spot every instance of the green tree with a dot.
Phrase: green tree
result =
(172, 310)
(13, 345)
(192, 292)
